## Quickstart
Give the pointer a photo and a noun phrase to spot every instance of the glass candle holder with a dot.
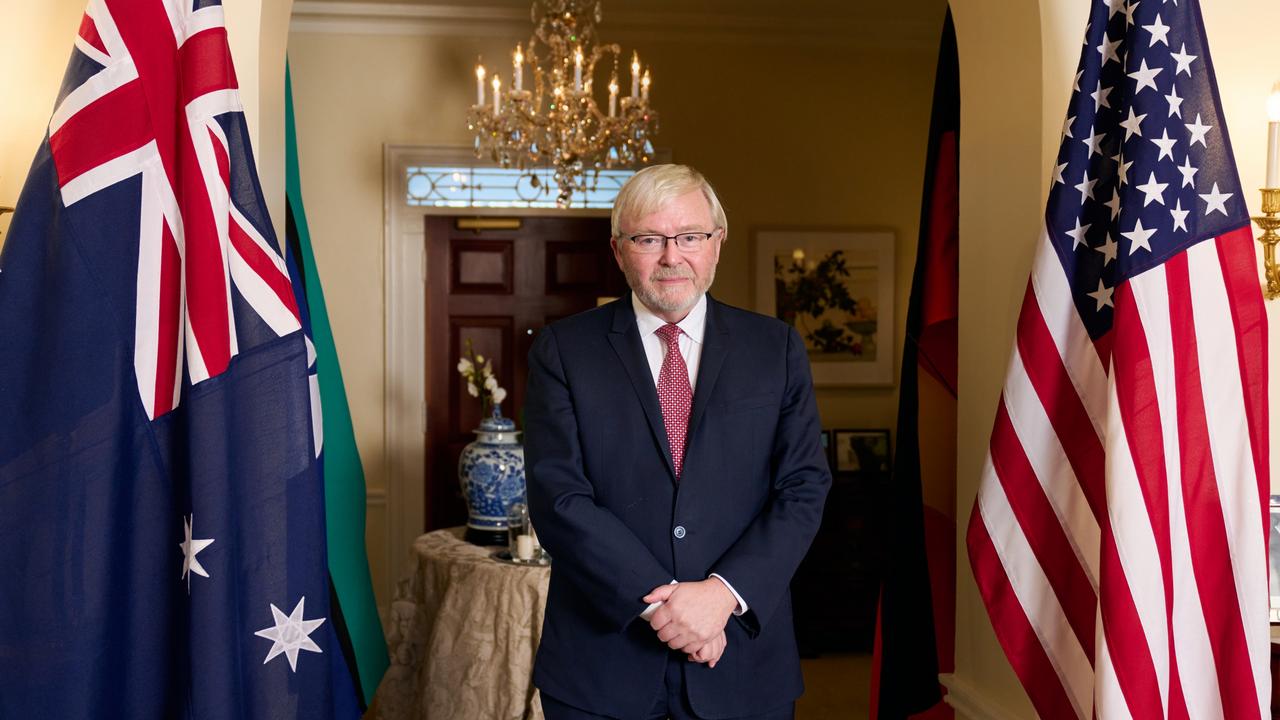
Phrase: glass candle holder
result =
(520, 538)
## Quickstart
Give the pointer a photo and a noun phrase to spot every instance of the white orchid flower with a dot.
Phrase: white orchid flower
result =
(491, 383)
(499, 395)
(472, 390)
(465, 367)
(479, 359)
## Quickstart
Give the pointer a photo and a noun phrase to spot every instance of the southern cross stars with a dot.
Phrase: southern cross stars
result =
(191, 548)
(290, 634)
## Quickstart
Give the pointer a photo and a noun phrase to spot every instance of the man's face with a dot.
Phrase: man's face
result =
(670, 282)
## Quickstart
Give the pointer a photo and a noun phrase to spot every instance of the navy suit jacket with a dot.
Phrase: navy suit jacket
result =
(606, 504)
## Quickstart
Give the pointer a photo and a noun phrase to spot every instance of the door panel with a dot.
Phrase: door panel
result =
(482, 267)
(497, 288)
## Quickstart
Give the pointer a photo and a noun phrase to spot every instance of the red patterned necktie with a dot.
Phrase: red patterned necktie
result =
(675, 395)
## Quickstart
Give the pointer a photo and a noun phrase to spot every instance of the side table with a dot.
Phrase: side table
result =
(462, 634)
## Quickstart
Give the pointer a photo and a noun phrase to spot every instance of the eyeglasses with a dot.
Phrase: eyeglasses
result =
(686, 242)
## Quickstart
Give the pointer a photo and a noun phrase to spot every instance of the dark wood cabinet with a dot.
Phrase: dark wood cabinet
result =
(835, 589)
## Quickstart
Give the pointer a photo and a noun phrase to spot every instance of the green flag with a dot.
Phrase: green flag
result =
(355, 612)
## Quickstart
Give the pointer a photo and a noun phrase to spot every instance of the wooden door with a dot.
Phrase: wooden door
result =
(496, 282)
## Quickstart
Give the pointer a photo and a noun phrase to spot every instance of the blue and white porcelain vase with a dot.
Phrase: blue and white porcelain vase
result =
(491, 470)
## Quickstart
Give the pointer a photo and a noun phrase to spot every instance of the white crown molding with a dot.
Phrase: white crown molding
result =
(969, 703)
(358, 18)
(904, 31)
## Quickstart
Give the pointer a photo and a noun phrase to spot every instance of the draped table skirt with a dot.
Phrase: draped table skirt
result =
(462, 633)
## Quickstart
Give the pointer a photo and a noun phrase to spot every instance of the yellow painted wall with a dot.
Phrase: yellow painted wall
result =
(819, 138)
(36, 41)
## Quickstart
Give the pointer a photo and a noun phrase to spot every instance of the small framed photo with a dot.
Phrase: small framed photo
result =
(861, 451)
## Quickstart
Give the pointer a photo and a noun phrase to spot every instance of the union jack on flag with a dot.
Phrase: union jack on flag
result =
(178, 126)
(1119, 534)
(163, 548)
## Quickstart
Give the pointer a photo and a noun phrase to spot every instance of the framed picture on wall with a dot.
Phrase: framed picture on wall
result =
(836, 289)
(865, 452)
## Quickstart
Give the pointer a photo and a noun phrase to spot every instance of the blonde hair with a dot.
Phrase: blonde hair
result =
(651, 188)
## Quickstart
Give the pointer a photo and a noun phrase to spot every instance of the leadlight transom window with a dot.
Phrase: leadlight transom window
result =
(494, 187)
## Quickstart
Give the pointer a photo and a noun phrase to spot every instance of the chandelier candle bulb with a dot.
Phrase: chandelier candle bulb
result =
(556, 123)
(1273, 138)
(518, 68)
(577, 70)
(635, 75)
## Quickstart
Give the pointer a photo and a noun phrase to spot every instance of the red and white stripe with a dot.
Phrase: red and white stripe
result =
(1119, 537)
(151, 111)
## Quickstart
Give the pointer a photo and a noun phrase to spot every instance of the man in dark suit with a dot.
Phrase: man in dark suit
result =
(677, 478)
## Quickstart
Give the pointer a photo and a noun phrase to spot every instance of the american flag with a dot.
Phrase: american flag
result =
(1119, 534)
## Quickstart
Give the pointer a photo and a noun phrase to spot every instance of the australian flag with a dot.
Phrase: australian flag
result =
(162, 520)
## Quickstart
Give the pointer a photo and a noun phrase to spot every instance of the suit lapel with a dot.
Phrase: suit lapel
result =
(624, 336)
(714, 349)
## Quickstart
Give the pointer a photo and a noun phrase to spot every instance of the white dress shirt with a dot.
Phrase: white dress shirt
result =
(692, 329)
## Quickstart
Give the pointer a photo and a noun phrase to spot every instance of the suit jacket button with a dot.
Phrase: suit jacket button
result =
(678, 532)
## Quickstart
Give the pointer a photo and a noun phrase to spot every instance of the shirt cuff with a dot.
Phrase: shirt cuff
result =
(742, 604)
(653, 607)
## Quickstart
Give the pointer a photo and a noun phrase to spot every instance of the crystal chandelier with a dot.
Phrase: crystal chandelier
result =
(558, 123)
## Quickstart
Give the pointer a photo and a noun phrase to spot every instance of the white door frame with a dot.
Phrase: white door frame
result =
(404, 343)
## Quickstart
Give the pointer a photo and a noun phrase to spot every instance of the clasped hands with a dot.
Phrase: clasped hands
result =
(692, 617)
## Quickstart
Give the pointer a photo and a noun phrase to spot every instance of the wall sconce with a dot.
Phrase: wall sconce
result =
(1269, 221)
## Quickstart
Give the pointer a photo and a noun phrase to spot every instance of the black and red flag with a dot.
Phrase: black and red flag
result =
(916, 621)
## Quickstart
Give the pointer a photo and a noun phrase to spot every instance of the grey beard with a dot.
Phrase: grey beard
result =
(658, 303)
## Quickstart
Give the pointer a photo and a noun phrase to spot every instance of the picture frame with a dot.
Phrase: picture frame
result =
(862, 451)
(836, 287)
